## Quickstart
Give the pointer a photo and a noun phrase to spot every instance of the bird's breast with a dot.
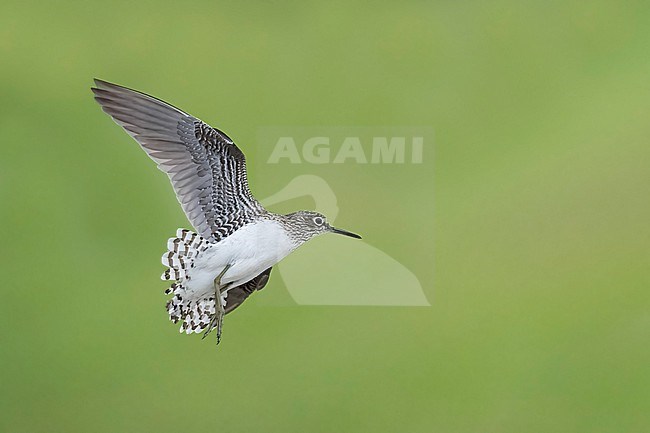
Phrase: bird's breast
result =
(249, 251)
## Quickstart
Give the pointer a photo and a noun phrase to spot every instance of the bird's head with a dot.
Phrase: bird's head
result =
(311, 224)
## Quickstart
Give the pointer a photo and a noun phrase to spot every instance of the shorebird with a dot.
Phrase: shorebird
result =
(237, 241)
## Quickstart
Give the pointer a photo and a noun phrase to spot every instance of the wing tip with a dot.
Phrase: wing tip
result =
(112, 91)
(101, 84)
(103, 89)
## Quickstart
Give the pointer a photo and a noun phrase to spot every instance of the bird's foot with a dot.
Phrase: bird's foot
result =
(219, 290)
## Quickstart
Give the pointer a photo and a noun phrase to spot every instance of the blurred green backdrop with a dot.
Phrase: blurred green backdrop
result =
(527, 225)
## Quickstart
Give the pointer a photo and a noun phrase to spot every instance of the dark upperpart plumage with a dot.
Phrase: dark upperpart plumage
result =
(206, 169)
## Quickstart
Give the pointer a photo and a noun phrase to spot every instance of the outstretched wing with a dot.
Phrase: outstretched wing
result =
(237, 295)
(206, 169)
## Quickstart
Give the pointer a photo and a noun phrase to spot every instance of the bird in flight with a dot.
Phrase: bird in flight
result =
(237, 241)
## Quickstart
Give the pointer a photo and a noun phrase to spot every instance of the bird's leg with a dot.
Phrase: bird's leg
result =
(217, 319)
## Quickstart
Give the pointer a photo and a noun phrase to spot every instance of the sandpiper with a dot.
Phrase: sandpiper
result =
(237, 241)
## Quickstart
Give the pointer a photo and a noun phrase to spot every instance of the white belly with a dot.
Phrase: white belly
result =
(249, 251)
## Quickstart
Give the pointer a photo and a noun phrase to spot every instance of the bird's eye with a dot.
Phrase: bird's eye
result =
(318, 221)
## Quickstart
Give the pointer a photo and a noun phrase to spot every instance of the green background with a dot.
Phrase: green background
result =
(527, 223)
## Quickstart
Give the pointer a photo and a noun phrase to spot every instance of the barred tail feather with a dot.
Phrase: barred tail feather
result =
(180, 255)
(195, 314)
